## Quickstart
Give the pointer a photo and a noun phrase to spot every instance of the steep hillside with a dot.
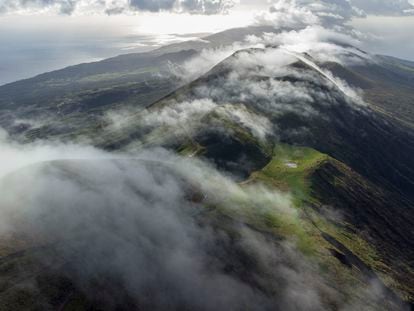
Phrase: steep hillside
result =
(388, 85)
(364, 227)
(73, 98)
(366, 176)
(352, 133)
(379, 217)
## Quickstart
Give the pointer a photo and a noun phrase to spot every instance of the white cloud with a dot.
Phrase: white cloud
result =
(267, 81)
(325, 45)
(385, 7)
(286, 13)
(301, 13)
(179, 114)
(207, 59)
(136, 226)
(185, 118)
(15, 156)
(157, 240)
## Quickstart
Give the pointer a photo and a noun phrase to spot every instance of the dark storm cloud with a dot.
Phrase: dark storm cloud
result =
(64, 6)
(153, 5)
(328, 9)
(209, 7)
(16, 5)
(119, 6)
(192, 6)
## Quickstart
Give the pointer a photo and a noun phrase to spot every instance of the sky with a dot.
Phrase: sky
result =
(37, 36)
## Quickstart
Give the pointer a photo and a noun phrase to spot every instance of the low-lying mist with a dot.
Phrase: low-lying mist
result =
(157, 231)
(152, 231)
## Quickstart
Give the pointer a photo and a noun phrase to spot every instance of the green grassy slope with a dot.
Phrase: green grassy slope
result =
(300, 171)
(290, 168)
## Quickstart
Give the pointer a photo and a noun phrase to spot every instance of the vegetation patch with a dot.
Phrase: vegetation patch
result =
(288, 170)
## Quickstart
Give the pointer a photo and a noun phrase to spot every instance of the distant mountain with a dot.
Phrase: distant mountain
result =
(223, 38)
(66, 95)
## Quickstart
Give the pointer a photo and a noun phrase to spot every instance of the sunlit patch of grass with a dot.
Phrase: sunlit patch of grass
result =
(289, 168)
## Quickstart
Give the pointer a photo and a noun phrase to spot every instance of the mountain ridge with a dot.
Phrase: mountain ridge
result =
(267, 169)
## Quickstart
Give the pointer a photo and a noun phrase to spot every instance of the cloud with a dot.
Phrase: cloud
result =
(297, 29)
(29, 6)
(301, 13)
(385, 7)
(322, 44)
(178, 119)
(272, 55)
(258, 125)
(15, 156)
(254, 92)
(153, 6)
(239, 86)
(206, 60)
(206, 6)
(189, 6)
(141, 228)
(286, 13)
(69, 7)
(283, 13)
(156, 231)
